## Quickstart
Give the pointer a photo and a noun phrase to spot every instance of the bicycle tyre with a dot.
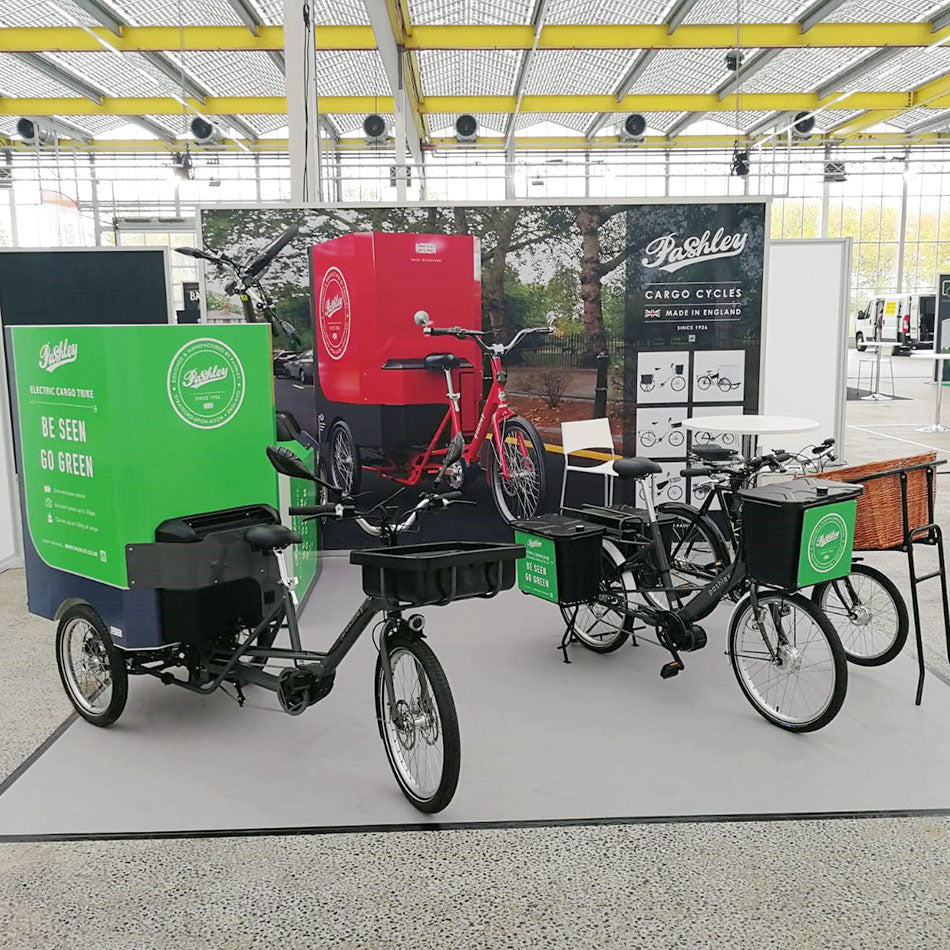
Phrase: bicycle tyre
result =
(676, 437)
(447, 724)
(847, 631)
(678, 384)
(838, 663)
(704, 382)
(506, 492)
(688, 521)
(724, 384)
(588, 622)
(647, 439)
(343, 447)
(98, 647)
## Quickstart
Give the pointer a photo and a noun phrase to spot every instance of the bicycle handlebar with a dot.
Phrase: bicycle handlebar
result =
(697, 472)
(461, 333)
(197, 252)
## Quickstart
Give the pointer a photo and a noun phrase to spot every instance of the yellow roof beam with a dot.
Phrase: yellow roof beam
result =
(935, 93)
(501, 105)
(497, 143)
(553, 36)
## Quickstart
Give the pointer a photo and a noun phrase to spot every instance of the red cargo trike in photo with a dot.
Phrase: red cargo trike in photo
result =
(515, 466)
(386, 401)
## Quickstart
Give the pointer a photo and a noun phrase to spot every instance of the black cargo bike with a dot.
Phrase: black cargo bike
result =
(227, 589)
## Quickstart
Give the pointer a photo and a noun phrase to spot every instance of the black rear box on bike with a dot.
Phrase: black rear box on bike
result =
(562, 563)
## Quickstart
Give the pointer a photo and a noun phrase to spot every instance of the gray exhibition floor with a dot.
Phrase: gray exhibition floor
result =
(603, 737)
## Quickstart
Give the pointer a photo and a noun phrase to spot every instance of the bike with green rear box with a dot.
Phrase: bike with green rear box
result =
(608, 569)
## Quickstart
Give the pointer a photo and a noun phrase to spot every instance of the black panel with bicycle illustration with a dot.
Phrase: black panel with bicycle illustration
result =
(692, 325)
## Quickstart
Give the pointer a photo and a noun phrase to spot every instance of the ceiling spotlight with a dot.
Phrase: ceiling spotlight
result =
(376, 129)
(633, 128)
(205, 132)
(740, 162)
(803, 125)
(35, 133)
(734, 60)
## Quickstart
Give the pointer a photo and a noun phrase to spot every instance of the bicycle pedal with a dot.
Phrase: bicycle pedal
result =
(669, 670)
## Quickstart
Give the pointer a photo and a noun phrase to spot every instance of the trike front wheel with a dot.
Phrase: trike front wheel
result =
(419, 728)
(520, 494)
(788, 660)
(346, 468)
(92, 670)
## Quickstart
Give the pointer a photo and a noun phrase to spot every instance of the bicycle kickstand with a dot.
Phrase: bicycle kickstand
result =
(569, 636)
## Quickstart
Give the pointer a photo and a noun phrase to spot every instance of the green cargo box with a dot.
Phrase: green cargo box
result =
(562, 561)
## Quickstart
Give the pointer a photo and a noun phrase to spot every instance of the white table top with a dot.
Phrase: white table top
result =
(750, 425)
(930, 355)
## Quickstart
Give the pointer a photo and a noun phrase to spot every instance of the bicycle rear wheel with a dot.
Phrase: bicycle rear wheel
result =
(788, 661)
(604, 625)
(420, 730)
(868, 612)
(698, 552)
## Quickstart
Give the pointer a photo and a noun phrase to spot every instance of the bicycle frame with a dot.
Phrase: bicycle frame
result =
(494, 414)
(226, 666)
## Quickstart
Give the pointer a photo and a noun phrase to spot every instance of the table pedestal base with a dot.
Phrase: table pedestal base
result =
(878, 397)
(934, 427)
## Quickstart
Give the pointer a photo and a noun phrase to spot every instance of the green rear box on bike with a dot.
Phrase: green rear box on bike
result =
(562, 561)
(798, 533)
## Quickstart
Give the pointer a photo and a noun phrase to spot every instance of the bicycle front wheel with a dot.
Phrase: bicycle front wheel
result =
(520, 494)
(868, 612)
(788, 661)
(420, 730)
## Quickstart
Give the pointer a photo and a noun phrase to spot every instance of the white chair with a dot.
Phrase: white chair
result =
(586, 435)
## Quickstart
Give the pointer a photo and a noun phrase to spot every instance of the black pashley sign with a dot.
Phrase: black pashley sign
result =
(693, 322)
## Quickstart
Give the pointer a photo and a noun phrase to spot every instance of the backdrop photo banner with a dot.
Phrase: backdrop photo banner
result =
(656, 310)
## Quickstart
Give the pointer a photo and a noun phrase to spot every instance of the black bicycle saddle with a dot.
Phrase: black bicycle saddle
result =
(713, 452)
(636, 468)
(270, 537)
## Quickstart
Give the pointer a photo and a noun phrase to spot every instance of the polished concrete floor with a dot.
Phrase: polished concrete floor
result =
(831, 883)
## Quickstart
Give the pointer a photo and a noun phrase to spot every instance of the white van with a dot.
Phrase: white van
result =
(904, 319)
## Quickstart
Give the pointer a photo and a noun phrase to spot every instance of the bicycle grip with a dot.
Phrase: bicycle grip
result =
(696, 472)
(438, 331)
(316, 510)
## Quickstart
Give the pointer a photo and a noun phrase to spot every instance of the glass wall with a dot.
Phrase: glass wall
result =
(894, 203)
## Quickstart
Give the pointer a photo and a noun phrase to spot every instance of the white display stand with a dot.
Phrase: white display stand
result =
(804, 369)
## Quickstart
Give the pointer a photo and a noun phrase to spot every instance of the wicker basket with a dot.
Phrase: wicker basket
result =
(880, 519)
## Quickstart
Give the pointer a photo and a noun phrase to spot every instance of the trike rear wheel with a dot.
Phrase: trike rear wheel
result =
(92, 670)
(420, 731)
(788, 661)
(521, 494)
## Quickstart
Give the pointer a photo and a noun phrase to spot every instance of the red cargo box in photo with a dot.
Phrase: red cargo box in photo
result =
(366, 289)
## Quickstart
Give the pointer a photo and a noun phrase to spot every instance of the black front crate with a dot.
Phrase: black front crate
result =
(562, 563)
(416, 575)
